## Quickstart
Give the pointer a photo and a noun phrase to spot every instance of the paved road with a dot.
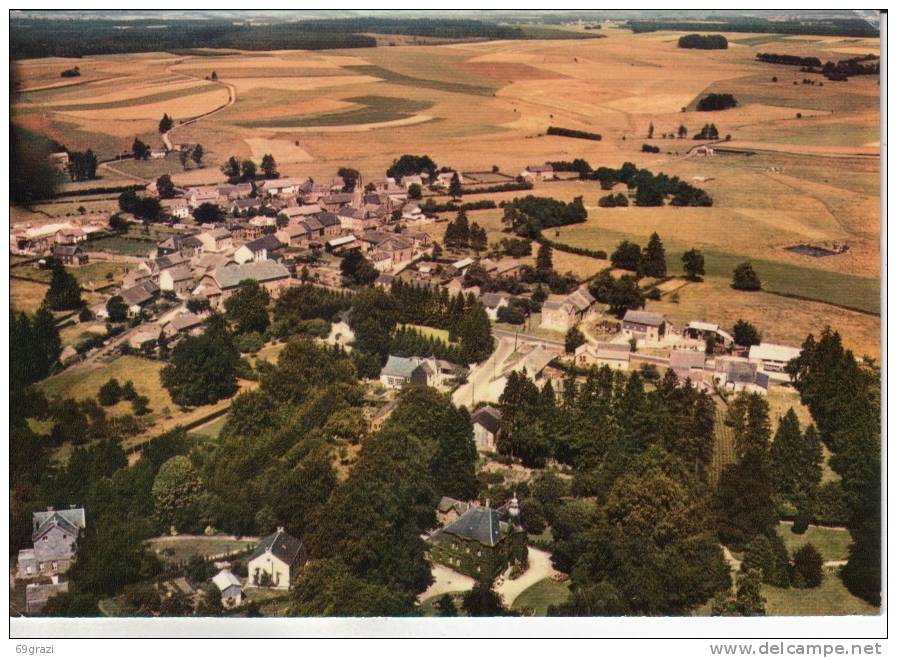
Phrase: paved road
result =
(477, 387)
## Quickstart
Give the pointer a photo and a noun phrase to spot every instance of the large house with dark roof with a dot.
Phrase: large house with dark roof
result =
(482, 542)
(276, 560)
(55, 539)
(222, 282)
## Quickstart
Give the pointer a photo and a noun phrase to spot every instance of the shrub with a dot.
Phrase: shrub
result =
(768, 555)
(704, 41)
(745, 278)
(109, 393)
(715, 102)
(250, 342)
(807, 570)
(568, 132)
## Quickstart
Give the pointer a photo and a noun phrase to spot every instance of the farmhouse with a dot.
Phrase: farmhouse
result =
(155, 266)
(222, 282)
(423, 371)
(276, 560)
(707, 330)
(644, 325)
(773, 358)
(280, 186)
(331, 224)
(139, 296)
(294, 235)
(187, 323)
(486, 427)
(482, 542)
(538, 172)
(739, 374)
(230, 587)
(493, 301)
(560, 312)
(216, 240)
(196, 196)
(186, 246)
(54, 537)
(69, 255)
(244, 206)
(258, 250)
(301, 212)
(688, 364)
(179, 279)
(613, 355)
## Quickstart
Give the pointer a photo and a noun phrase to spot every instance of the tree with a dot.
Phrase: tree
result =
(231, 168)
(165, 187)
(248, 169)
(483, 601)
(478, 240)
(64, 293)
(330, 588)
(624, 295)
(650, 130)
(654, 262)
(807, 567)
(177, 495)
(415, 191)
(767, 554)
(208, 213)
(165, 124)
(140, 150)
(682, 132)
(109, 393)
(693, 264)
(796, 459)
(746, 334)
(357, 269)
(350, 178)
(269, 167)
(247, 308)
(543, 258)
(446, 607)
(744, 278)
(203, 369)
(197, 154)
(118, 224)
(373, 317)
(627, 256)
(748, 601)
(410, 165)
(455, 186)
(573, 339)
(184, 158)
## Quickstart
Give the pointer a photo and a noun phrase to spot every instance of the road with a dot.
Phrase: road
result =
(478, 382)
(539, 568)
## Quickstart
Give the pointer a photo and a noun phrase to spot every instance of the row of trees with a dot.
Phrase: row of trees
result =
(652, 262)
(527, 216)
(246, 170)
(652, 189)
(460, 234)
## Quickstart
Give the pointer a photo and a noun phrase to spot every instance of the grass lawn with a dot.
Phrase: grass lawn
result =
(541, 595)
(532, 328)
(152, 168)
(830, 598)
(429, 332)
(185, 546)
(26, 295)
(91, 276)
(212, 429)
(115, 244)
(832, 543)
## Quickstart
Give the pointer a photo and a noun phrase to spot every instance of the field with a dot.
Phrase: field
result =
(831, 542)
(185, 546)
(26, 295)
(91, 276)
(830, 598)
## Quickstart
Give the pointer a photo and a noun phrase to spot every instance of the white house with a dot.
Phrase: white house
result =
(231, 588)
(772, 359)
(276, 560)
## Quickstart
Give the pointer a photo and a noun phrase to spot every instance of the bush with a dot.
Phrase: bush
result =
(704, 41)
(801, 522)
(807, 570)
(768, 555)
(745, 278)
(567, 132)
(110, 393)
(250, 342)
(647, 148)
(715, 102)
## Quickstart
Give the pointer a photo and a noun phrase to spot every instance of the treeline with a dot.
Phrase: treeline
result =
(836, 71)
(501, 187)
(831, 27)
(569, 132)
(431, 207)
(704, 41)
(80, 38)
(424, 27)
(527, 216)
(715, 102)
(653, 189)
(788, 60)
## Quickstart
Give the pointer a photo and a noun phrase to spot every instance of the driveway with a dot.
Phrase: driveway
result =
(446, 580)
(539, 569)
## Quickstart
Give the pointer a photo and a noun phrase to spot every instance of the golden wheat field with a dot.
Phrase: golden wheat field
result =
(801, 164)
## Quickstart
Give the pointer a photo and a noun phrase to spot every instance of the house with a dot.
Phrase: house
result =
(69, 255)
(560, 312)
(331, 224)
(422, 371)
(412, 179)
(178, 278)
(334, 202)
(276, 560)
(531, 363)
(222, 282)
(244, 206)
(507, 267)
(280, 186)
(315, 227)
(234, 192)
(644, 325)
(303, 211)
(294, 235)
(139, 296)
(493, 301)
(146, 337)
(449, 510)
(230, 587)
(133, 277)
(337, 246)
(772, 359)
(37, 595)
(216, 240)
(353, 219)
(738, 374)
(688, 364)
(706, 330)
(186, 246)
(258, 250)
(444, 179)
(538, 172)
(158, 154)
(486, 427)
(196, 196)
(208, 262)
(186, 323)
(384, 281)
(155, 266)
(463, 264)
(613, 355)
(381, 260)
(341, 334)
(481, 543)
(54, 538)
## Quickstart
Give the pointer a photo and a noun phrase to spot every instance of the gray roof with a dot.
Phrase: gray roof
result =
(140, 294)
(482, 524)
(186, 321)
(282, 545)
(72, 518)
(66, 250)
(400, 366)
(225, 579)
(267, 242)
(266, 270)
(686, 359)
(643, 317)
(488, 416)
(328, 219)
(491, 299)
(180, 273)
(447, 503)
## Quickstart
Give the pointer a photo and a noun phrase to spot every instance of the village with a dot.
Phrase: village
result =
(341, 235)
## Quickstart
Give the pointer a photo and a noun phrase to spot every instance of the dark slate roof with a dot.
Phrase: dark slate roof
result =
(139, 294)
(71, 520)
(489, 417)
(482, 524)
(65, 250)
(267, 242)
(231, 275)
(643, 317)
(328, 219)
(282, 545)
